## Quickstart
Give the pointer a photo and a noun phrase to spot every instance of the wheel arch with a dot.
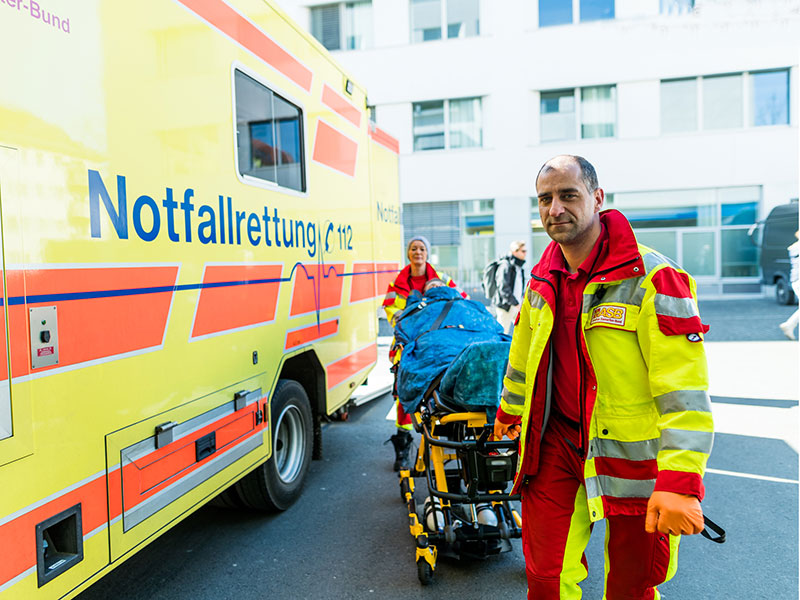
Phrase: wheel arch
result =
(305, 368)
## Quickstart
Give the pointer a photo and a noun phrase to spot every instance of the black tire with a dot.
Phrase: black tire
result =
(276, 484)
(783, 292)
(424, 572)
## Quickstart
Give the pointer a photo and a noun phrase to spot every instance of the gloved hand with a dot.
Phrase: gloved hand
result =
(676, 514)
(511, 430)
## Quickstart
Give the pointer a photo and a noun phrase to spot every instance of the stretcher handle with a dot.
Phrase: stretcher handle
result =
(720, 539)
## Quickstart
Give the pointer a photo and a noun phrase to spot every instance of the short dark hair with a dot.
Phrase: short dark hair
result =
(588, 174)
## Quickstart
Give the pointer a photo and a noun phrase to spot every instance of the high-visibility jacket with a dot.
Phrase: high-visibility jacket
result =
(645, 411)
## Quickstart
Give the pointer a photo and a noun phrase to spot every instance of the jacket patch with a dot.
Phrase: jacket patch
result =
(609, 314)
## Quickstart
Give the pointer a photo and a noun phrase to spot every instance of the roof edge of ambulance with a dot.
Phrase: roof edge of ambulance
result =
(316, 43)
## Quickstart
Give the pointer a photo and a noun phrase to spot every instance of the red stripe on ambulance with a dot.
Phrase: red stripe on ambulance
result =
(156, 471)
(341, 105)
(240, 304)
(92, 328)
(362, 284)
(316, 287)
(385, 274)
(18, 534)
(334, 149)
(242, 31)
(383, 138)
(344, 368)
(306, 335)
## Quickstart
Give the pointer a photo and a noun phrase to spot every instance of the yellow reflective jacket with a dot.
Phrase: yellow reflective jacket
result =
(646, 415)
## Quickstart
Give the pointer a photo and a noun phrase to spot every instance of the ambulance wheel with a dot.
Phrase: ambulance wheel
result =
(277, 483)
(424, 572)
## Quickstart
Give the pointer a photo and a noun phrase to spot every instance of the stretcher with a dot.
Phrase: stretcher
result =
(467, 512)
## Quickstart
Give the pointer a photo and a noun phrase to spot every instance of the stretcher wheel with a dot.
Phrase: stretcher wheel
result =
(424, 572)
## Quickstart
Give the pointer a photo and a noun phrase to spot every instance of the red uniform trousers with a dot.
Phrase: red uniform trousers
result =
(556, 529)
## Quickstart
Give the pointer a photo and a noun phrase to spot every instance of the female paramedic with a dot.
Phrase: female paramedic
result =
(413, 276)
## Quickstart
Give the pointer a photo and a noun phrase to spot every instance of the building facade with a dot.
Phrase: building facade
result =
(687, 108)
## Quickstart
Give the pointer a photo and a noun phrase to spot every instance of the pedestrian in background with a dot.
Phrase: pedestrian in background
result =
(510, 284)
(790, 324)
(412, 277)
(606, 388)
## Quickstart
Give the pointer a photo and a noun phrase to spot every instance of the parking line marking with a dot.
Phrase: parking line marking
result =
(751, 476)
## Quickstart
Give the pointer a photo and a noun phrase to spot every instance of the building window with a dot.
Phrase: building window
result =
(461, 236)
(343, 26)
(438, 19)
(269, 135)
(598, 111)
(372, 112)
(703, 230)
(596, 10)
(560, 12)
(679, 105)
(555, 12)
(676, 7)
(770, 97)
(722, 101)
(557, 110)
(441, 124)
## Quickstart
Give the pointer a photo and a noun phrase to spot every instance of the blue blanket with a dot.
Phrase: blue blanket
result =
(469, 344)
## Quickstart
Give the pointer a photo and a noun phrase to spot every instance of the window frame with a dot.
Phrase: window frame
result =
(342, 5)
(576, 19)
(298, 104)
(750, 100)
(446, 125)
(443, 25)
(576, 114)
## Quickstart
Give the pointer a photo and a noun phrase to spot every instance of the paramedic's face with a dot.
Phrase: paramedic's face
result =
(417, 254)
(566, 207)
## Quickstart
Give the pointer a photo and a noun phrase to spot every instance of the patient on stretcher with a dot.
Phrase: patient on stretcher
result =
(454, 340)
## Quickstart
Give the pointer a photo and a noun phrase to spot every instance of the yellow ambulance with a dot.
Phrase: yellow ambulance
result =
(198, 224)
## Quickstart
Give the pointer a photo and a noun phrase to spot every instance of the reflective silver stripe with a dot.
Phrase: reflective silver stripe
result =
(642, 450)
(627, 292)
(513, 398)
(514, 375)
(672, 402)
(391, 296)
(535, 300)
(605, 485)
(670, 306)
(683, 439)
(654, 259)
(592, 487)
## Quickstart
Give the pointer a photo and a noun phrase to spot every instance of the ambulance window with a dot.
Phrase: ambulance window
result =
(269, 135)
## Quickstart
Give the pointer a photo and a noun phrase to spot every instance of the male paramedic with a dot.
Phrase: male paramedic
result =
(607, 390)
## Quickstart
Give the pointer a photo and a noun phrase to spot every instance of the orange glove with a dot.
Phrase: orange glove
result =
(676, 514)
(505, 429)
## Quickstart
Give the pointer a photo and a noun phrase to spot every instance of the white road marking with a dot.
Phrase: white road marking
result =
(751, 476)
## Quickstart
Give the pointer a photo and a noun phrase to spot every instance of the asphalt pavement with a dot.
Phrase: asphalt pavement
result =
(347, 537)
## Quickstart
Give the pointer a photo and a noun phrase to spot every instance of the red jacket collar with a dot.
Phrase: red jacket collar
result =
(402, 282)
(622, 261)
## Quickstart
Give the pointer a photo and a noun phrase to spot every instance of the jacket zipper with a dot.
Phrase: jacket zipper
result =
(548, 349)
(582, 362)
